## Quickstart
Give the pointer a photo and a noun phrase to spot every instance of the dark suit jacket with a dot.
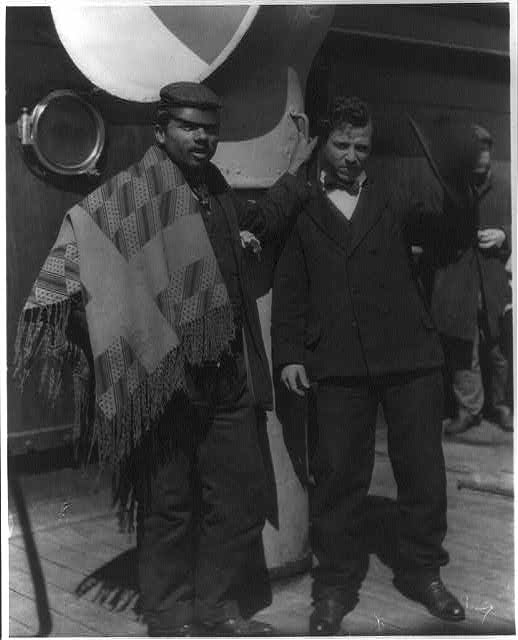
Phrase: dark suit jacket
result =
(345, 300)
(269, 219)
(462, 270)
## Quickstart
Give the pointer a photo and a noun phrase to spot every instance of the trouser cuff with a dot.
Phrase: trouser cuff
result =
(418, 574)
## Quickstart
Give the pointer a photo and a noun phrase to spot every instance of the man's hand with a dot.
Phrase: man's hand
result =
(295, 379)
(304, 146)
(489, 238)
(249, 242)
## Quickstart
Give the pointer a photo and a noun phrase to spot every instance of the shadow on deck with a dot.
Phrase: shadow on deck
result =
(90, 573)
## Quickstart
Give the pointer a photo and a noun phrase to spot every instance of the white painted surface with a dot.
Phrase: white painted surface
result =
(289, 543)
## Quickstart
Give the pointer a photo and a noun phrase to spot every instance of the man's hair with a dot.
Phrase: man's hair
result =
(344, 110)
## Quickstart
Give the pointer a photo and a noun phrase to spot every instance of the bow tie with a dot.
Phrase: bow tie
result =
(352, 188)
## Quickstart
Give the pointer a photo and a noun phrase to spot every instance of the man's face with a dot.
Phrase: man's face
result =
(346, 151)
(482, 167)
(191, 137)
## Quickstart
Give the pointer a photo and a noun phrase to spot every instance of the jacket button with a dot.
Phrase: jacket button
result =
(354, 324)
(355, 291)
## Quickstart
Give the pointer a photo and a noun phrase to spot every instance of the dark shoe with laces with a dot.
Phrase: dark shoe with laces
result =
(188, 630)
(239, 627)
(434, 595)
(327, 617)
(461, 424)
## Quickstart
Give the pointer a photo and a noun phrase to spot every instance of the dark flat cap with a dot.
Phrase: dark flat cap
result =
(188, 94)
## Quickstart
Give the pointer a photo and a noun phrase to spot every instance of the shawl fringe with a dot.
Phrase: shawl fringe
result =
(41, 340)
(114, 423)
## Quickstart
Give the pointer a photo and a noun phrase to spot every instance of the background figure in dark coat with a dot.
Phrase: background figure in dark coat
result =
(347, 316)
(471, 290)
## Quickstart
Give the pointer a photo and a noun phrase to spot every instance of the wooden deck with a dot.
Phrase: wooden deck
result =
(80, 545)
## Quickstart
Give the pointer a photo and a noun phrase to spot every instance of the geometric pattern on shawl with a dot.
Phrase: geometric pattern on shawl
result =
(156, 299)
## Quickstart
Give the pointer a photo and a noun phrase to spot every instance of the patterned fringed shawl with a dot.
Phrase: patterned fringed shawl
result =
(137, 252)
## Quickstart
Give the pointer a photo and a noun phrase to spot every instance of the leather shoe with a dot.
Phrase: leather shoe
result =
(188, 630)
(434, 595)
(461, 424)
(504, 417)
(326, 618)
(239, 627)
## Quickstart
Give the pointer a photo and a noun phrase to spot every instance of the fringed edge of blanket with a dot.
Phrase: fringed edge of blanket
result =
(116, 439)
(41, 340)
(204, 339)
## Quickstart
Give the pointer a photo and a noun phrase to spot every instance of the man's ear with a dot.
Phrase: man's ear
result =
(159, 134)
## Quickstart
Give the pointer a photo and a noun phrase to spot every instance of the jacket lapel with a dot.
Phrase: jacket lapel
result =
(327, 217)
(367, 213)
(249, 305)
(347, 235)
(226, 204)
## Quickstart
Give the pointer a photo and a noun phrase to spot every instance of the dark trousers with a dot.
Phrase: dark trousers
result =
(479, 373)
(342, 467)
(200, 545)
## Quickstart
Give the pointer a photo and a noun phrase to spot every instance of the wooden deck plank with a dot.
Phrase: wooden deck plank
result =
(60, 561)
(463, 509)
(463, 534)
(480, 572)
(68, 556)
(68, 538)
(386, 604)
(297, 600)
(82, 612)
(300, 601)
(67, 575)
(470, 563)
(105, 532)
(17, 629)
(380, 592)
(381, 608)
(68, 580)
(22, 610)
(21, 606)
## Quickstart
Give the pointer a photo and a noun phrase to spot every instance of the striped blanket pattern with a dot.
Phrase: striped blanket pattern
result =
(136, 255)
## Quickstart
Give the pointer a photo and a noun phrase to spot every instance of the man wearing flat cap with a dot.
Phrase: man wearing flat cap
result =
(156, 259)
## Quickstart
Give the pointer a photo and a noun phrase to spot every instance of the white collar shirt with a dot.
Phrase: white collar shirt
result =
(341, 199)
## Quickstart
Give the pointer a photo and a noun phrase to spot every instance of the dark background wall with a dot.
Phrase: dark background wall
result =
(427, 60)
(445, 59)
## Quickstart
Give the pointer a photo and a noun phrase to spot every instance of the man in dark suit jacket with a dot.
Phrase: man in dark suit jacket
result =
(347, 315)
